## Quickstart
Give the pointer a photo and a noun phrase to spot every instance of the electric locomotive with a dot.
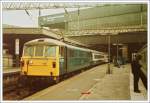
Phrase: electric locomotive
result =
(49, 57)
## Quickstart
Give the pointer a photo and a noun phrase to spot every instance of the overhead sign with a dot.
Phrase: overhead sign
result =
(17, 46)
(49, 18)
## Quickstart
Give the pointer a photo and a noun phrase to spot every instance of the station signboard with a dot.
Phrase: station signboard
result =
(17, 46)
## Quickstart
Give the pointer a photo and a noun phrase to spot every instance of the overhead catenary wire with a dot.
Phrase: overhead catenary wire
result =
(45, 5)
(29, 15)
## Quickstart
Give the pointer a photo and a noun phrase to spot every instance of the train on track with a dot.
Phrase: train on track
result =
(52, 58)
(143, 62)
(143, 53)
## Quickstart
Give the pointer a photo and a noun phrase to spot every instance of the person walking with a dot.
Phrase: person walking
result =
(135, 65)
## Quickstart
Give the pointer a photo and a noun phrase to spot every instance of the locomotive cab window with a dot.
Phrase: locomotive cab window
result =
(62, 51)
(50, 51)
(39, 50)
(28, 50)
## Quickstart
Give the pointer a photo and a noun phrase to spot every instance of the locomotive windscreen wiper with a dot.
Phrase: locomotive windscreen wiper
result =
(30, 55)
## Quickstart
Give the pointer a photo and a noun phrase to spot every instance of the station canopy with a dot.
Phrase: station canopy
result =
(114, 18)
(94, 18)
(91, 22)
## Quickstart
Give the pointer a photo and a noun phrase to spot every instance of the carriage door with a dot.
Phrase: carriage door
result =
(63, 59)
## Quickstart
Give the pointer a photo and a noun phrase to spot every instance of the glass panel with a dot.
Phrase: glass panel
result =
(98, 56)
(50, 51)
(29, 51)
(71, 52)
(39, 50)
(62, 51)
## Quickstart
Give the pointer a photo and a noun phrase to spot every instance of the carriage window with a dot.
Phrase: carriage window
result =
(39, 50)
(29, 51)
(81, 54)
(50, 51)
(98, 56)
(72, 53)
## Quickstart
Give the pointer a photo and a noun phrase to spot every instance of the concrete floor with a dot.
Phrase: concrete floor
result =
(112, 87)
(138, 96)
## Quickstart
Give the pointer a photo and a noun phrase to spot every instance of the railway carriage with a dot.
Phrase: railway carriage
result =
(143, 53)
(99, 57)
(143, 62)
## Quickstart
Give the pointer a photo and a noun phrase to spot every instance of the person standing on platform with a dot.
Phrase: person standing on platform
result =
(136, 72)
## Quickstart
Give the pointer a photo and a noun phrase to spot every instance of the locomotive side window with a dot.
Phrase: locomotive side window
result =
(61, 51)
(39, 50)
(29, 50)
(50, 51)
(71, 53)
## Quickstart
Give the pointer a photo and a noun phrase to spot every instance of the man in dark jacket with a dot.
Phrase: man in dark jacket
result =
(136, 72)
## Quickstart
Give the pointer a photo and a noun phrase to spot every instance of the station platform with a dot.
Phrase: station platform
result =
(95, 84)
(11, 69)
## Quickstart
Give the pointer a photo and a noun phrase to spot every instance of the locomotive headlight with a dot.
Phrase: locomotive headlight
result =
(30, 62)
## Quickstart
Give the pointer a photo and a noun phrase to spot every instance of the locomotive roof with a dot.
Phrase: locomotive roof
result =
(45, 41)
(55, 42)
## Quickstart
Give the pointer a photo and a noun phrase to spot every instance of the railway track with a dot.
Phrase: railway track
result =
(10, 86)
(12, 90)
(18, 92)
(10, 80)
